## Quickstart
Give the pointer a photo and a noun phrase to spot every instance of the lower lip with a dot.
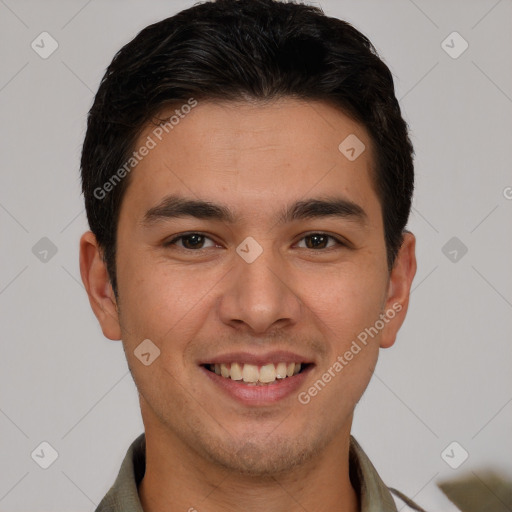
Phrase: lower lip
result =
(256, 394)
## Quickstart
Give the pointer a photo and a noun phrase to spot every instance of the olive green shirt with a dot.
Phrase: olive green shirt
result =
(374, 496)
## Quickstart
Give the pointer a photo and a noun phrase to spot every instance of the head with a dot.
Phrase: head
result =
(243, 107)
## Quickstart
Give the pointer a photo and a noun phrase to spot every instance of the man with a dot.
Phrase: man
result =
(248, 178)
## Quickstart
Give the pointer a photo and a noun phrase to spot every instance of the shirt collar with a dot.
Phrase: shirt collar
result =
(123, 496)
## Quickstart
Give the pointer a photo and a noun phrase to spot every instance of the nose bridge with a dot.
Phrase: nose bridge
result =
(259, 294)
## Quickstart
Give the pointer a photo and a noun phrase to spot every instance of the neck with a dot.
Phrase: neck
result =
(177, 479)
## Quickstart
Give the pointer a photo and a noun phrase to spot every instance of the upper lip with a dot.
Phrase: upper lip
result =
(258, 359)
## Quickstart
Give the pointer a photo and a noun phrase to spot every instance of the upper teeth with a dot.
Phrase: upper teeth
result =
(254, 374)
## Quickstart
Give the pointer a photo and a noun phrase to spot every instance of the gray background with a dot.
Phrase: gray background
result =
(447, 378)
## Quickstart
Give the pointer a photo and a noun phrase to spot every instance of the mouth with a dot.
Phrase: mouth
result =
(257, 380)
(257, 375)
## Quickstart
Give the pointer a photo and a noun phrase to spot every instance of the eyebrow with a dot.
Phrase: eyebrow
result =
(174, 206)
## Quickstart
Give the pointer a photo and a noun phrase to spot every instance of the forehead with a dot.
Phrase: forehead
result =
(253, 156)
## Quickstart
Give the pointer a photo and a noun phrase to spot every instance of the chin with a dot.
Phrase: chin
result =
(264, 457)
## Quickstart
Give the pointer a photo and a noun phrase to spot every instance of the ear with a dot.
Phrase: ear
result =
(399, 288)
(97, 284)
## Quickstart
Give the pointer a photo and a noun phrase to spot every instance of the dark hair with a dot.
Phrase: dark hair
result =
(243, 50)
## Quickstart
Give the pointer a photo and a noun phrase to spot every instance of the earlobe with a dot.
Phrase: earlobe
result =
(97, 284)
(399, 289)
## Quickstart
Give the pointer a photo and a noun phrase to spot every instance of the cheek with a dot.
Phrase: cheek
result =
(347, 299)
(159, 302)
(344, 307)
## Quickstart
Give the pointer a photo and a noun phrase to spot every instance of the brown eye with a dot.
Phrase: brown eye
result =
(319, 241)
(191, 241)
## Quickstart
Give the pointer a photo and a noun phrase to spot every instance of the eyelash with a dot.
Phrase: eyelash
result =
(339, 242)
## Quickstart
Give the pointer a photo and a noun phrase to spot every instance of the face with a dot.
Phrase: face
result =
(279, 266)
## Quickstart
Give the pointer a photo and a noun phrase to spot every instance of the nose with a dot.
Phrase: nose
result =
(260, 296)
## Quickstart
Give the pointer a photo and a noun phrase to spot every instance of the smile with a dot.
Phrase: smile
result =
(256, 380)
(252, 374)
